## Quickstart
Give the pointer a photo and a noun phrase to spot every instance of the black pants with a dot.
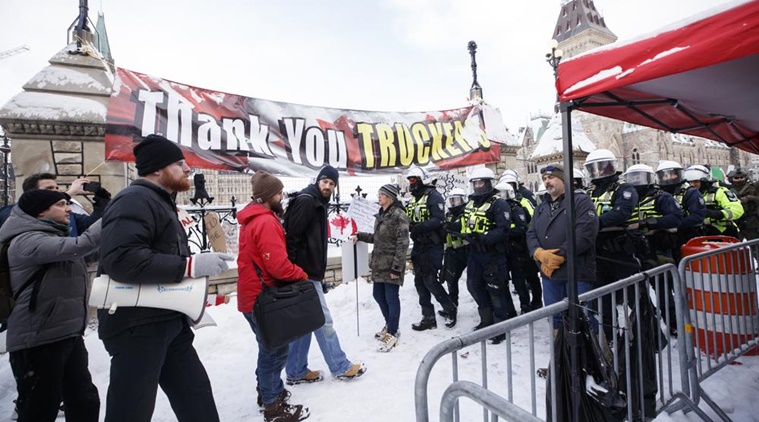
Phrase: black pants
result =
(51, 373)
(524, 275)
(454, 265)
(611, 267)
(146, 356)
(428, 261)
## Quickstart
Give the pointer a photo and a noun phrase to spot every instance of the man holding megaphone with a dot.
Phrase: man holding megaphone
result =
(143, 242)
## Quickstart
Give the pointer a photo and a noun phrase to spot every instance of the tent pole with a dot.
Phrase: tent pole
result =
(566, 125)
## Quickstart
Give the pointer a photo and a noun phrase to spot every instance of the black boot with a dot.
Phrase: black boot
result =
(498, 339)
(427, 323)
(450, 318)
(486, 317)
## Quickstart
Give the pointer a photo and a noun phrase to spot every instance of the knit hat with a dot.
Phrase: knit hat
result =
(390, 190)
(328, 172)
(154, 153)
(36, 201)
(265, 186)
(553, 170)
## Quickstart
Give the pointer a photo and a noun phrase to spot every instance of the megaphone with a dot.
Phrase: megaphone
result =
(188, 296)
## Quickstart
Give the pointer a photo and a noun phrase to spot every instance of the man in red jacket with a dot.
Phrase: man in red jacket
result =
(262, 242)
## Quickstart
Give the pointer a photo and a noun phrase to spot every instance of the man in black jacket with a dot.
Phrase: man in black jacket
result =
(143, 242)
(306, 234)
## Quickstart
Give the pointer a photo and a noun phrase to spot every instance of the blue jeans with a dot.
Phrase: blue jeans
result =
(297, 361)
(556, 291)
(269, 366)
(387, 297)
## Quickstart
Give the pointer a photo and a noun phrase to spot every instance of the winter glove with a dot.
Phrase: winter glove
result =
(715, 214)
(649, 222)
(207, 264)
(453, 227)
(549, 257)
(102, 197)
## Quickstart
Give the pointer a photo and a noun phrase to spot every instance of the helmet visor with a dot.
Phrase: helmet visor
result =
(600, 169)
(640, 178)
(455, 201)
(669, 176)
(481, 186)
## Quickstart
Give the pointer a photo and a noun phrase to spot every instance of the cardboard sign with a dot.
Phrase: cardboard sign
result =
(215, 233)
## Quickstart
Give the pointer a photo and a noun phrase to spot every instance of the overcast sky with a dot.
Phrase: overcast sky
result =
(399, 55)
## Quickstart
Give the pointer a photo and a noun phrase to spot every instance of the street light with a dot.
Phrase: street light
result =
(553, 57)
(475, 92)
(5, 148)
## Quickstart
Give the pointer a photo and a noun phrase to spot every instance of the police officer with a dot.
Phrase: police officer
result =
(519, 261)
(485, 225)
(578, 179)
(456, 250)
(670, 177)
(426, 215)
(615, 202)
(523, 194)
(723, 207)
(657, 216)
(747, 193)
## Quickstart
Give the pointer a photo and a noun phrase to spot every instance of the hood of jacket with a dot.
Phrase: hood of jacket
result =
(251, 211)
(20, 222)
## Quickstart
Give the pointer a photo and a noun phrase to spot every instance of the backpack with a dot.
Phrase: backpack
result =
(7, 298)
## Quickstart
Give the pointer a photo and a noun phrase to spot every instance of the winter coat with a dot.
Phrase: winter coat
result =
(262, 241)
(550, 232)
(750, 200)
(61, 298)
(391, 242)
(143, 243)
(306, 231)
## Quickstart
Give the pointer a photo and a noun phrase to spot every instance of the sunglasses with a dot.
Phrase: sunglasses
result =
(739, 178)
(548, 169)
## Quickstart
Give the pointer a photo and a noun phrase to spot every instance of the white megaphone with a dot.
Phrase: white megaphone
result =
(188, 296)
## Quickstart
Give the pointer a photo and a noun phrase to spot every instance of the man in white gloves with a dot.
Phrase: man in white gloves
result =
(144, 242)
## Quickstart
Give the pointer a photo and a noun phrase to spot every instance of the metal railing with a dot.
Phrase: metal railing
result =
(629, 297)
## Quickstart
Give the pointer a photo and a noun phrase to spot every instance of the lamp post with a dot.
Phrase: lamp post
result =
(5, 148)
(475, 92)
(553, 57)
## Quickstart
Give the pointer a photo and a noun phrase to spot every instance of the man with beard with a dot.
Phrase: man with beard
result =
(143, 242)
(747, 193)
(306, 232)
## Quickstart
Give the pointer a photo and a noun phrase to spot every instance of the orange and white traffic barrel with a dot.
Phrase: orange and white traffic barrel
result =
(722, 295)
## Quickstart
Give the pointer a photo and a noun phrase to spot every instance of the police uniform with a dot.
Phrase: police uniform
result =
(485, 223)
(522, 266)
(426, 215)
(694, 212)
(722, 208)
(456, 253)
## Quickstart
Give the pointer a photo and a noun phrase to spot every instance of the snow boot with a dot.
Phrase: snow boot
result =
(284, 395)
(388, 343)
(381, 333)
(427, 323)
(282, 411)
(486, 317)
(310, 377)
(355, 371)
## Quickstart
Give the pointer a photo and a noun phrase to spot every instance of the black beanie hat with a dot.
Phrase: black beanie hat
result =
(328, 172)
(154, 153)
(265, 186)
(35, 201)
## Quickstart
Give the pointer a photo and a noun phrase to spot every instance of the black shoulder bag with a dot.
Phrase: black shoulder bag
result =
(286, 313)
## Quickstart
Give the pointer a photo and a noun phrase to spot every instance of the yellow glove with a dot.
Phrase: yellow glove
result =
(549, 257)
(546, 270)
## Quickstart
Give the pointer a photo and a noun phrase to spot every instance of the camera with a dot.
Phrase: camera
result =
(91, 186)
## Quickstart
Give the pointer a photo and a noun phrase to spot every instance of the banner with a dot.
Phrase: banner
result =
(224, 131)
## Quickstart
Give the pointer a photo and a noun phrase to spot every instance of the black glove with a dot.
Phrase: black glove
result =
(101, 198)
(715, 214)
(473, 238)
(453, 227)
(649, 222)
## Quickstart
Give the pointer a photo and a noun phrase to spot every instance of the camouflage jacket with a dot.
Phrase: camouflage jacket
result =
(391, 240)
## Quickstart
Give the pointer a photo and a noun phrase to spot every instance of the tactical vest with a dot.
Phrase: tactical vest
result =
(475, 220)
(527, 205)
(646, 208)
(603, 202)
(417, 210)
(452, 241)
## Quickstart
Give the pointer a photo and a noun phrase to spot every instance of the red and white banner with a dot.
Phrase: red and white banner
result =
(230, 132)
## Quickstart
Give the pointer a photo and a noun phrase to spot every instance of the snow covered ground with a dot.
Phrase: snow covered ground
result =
(386, 391)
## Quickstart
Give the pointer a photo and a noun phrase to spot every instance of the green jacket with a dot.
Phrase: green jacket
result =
(391, 240)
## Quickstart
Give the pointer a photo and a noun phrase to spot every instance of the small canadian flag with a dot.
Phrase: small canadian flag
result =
(214, 300)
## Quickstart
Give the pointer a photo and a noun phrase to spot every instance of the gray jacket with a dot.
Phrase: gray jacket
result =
(61, 300)
(391, 239)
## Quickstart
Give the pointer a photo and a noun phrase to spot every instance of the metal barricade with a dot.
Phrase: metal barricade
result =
(721, 324)
(511, 399)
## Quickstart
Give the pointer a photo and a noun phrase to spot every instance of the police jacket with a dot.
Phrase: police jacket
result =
(426, 216)
(306, 231)
(527, 194)
(548, 230)
(614, 201)
(143, 243)
(694, 207)
(723, 200)
(61, 296)
(488, 218)
(659, 205)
